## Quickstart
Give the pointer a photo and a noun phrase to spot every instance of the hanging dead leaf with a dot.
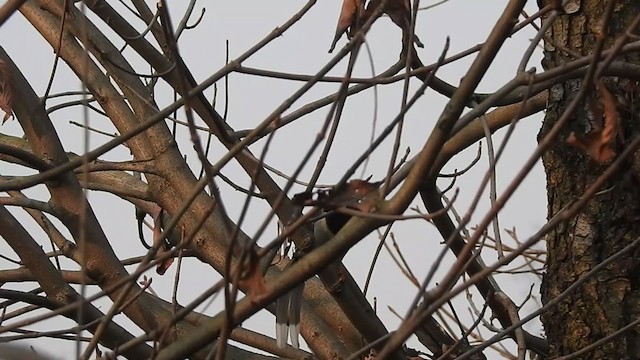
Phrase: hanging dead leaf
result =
(160, 242)
(400, 13)
(156, 213)
(611, 115)
(599, 144)
(351, 11)
(164, 265)
(6, 92)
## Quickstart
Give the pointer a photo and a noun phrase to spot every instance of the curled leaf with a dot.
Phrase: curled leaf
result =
(159, 242)
(6, 92)
(599, 143)
(165, 264)
(349, 14)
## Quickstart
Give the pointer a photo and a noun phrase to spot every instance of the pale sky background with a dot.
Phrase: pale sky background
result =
(303, 50)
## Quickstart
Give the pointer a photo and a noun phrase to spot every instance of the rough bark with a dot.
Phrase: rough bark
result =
(611, 299)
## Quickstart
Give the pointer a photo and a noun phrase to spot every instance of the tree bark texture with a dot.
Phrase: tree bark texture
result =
(609, 300)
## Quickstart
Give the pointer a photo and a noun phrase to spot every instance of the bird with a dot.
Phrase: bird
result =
(288, 307)
(357, 194)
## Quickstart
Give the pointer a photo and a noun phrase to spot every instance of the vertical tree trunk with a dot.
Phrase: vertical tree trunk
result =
(611, 220)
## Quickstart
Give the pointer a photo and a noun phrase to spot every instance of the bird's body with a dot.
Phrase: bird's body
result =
(288, 306)
(288, 317)
(360, 195)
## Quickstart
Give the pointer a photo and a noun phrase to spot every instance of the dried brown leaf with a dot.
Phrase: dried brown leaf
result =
(156, 213)
(164, 265)
(347, 20)
(6, 92)
(159, 241)
(599, 144)
(611, 115)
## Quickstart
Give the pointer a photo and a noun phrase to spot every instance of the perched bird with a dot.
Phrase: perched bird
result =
(328, 226)
(356, 194)
(288, 317)
(288, 306)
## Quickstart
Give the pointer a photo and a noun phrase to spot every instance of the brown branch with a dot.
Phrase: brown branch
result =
(67, 194)
(8, 9)
(282, 205)
(53, 283)
(24, 275)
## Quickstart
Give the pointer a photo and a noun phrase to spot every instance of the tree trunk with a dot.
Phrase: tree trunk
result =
(610, 221)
